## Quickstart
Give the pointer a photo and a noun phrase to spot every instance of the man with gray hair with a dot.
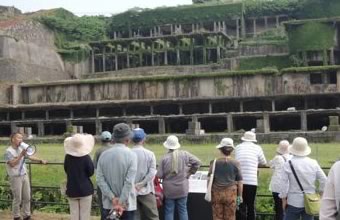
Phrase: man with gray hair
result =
(116, 171)
(146, 171)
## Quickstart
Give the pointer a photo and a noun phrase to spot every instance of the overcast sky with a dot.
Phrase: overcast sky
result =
(90, 7)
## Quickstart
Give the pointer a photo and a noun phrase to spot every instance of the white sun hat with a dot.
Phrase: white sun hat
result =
(172, 143)
(79, 145)
(226, 142)
(282, 148)
(249, 136)
(300, 147)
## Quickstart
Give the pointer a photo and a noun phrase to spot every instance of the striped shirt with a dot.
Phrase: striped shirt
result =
(250, 156)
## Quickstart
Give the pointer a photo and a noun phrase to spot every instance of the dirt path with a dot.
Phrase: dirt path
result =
(6, 215)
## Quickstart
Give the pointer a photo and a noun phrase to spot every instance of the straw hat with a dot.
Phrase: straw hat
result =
(300, 147)
(226, 142)
(249, 136)
(172, 143)
(79, 145)
(282, 148)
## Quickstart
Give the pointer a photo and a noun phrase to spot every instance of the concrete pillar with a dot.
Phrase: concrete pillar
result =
(104, 57)
(16, 95)
(254, 28)
(47, 115)
(22, 115)
(180, 109)
(14, 127)
(241, 106)
(71, 113)
(218, 50)
(171, 29)
(152, 55)
(224, 26)
(215, 27)
(99, 127)
(8, 118)
(230, 123)
(127, 59)
(266, 22)
(303, 121)
(243, 27)
(331, 56)
(151, 110)
(266, 123)
(97, 112)
(273, 105)
(191, 51)
(237, 28)
(124, 111)
(161, 126)
(165, 57)
(116, 61)
(178, 57)
(92, 61)
(151, 33)
(305, 103)
(277, 19)
(210, 108)
(114, 35)
(192, 28)
(41, 129)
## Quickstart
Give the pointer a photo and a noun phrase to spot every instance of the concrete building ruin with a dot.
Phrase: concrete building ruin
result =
(165, 74)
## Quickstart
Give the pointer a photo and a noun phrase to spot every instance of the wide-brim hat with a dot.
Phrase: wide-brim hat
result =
(283, 147)
(249, 136)
(226, 142)
(300, 147)
(79, 145)
(172, 143)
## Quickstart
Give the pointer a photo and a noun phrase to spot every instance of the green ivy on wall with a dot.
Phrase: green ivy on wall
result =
(310, 36)
(145, 19)
(74, 33)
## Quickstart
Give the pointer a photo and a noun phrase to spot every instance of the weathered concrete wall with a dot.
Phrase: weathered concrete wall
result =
(28, 62)
(162, 70)
(78, 70)
(17, 71)
(30, 53)
(264, 50)
(198, 88)
(30, 32)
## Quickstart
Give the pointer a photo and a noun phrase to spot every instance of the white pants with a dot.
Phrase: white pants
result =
(80, 208)
(20, 187)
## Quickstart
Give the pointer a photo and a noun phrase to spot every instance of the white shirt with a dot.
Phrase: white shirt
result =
(331, 195)
(276, 182)
(19, 169)
(308, 171)
(250, 156)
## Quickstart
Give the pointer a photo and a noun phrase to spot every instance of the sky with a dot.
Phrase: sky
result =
(90, 7)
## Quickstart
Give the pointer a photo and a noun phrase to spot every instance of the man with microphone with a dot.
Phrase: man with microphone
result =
(15, 156)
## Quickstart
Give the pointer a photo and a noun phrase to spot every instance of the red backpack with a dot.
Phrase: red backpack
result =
(158, 192)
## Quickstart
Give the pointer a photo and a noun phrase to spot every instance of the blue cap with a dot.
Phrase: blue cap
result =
(138, 135)
(106, 136)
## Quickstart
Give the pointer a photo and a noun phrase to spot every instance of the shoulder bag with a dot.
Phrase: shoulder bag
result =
(311, 200)
(211, 179)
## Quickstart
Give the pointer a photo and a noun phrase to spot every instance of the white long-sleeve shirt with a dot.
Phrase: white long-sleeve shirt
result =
(308, 171)
(331, 195)
(249, 155)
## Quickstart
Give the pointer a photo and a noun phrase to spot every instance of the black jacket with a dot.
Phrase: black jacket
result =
(78, 170)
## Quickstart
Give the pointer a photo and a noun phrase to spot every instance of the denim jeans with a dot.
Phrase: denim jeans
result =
(294, 213)
(127, 215)
(180, 204)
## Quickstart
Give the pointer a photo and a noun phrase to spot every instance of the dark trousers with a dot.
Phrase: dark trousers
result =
(100, 203)
(278, 206)
(247, 208)
(127, 215)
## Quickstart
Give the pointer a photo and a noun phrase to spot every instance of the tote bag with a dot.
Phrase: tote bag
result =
(211, 179)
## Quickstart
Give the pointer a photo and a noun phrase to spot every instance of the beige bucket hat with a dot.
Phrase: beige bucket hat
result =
(283, 146)
(172, 143)
(226, 142)
(79, 145)
(300, 147)
(249, 136)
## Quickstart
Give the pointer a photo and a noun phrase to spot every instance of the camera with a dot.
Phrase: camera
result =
(113, 215)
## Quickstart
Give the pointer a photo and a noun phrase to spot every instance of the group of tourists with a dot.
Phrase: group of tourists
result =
(125, 178)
